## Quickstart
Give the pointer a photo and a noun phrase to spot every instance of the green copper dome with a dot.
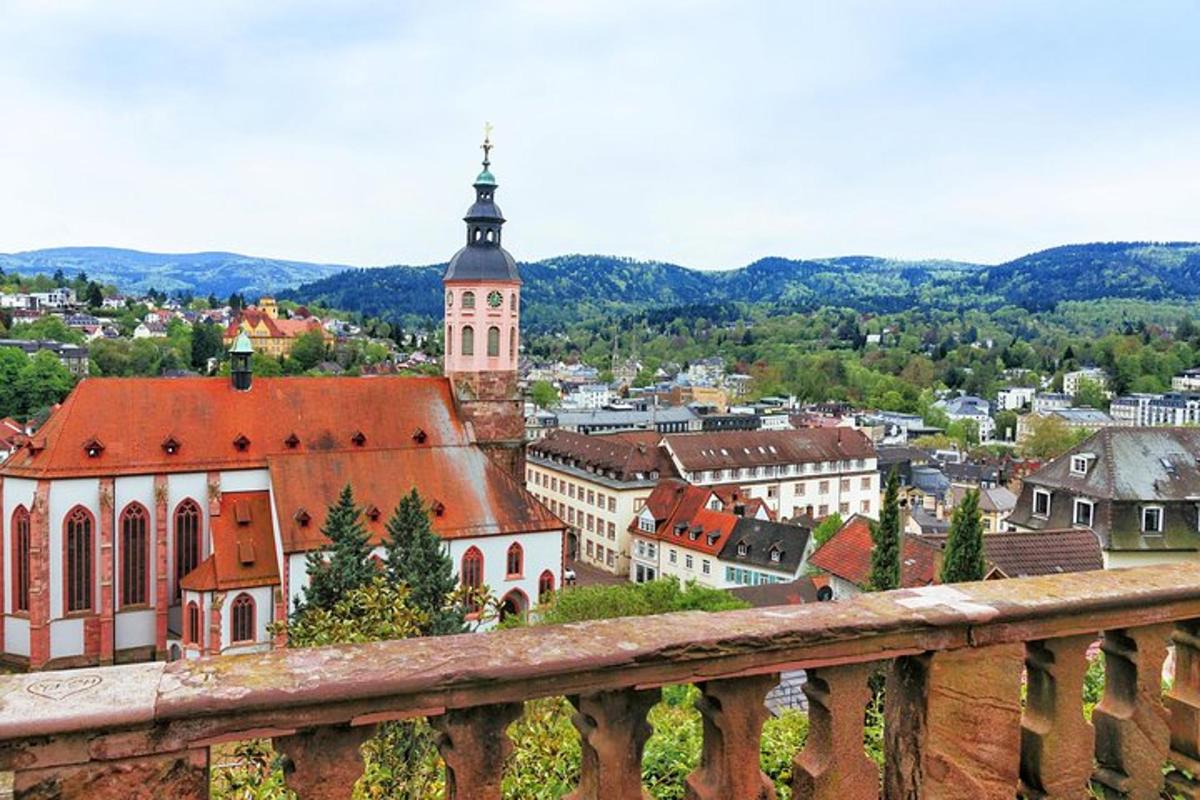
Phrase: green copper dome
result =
(486, 178)
(242, 345)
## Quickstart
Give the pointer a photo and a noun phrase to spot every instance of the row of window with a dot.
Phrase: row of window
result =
(467, 341)
(133, 547)
(780, 470)
(242, 616)
(471, 569)
(578, 519)
(749, 577)
(1083, 512)
(574, 491)
(494, 299)
(601, 554)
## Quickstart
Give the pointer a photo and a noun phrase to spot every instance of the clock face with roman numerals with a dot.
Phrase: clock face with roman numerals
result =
(495, 299)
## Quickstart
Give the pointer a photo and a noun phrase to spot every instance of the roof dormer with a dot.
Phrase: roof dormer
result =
(359, 438)
(93, 447)
(292, 441)
(170, 445)
(419, 436)
(1081, 464)
(302, 518)
(372, 512)
(438, 508)
(242, 443)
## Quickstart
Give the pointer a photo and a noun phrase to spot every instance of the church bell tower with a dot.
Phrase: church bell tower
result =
(483, 314)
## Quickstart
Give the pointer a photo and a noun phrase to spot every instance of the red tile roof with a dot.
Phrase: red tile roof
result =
(133, 417)
(477, 497)
(625, 455)
(736, 449)
(847, 555)
(675, 502)
(243, 546)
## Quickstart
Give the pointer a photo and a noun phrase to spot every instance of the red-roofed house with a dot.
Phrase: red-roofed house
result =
(154, 518)
(269, 333)
(846, 556)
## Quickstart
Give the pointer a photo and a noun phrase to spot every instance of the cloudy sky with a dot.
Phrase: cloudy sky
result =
(705, 133)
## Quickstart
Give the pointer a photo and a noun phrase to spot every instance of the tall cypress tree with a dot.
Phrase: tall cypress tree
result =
(416, 556)
(349, 564)
(963, 560)
(885, 536)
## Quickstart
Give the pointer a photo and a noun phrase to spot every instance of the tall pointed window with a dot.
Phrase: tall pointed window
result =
(545, 586)
(471, 574)
(77, 542)
(187, 540)
(449, 341)
(20, 549)
(493, 343)
(135, 555)
(468, 340)
(242, 617)
(193, 623)
(512, 343)
(516, 560)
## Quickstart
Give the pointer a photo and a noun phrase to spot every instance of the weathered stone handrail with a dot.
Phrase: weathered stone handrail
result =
(954, 721)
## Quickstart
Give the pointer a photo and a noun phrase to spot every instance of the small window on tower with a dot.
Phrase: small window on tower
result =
(468, 300)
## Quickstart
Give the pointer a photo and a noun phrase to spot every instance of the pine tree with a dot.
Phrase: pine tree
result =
(416, 556)
(885, 537)
(349, 565)
(963, 560)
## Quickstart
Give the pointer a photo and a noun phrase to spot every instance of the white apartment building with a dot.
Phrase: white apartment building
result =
(810, 471)
(596, 485)
(1157, 410)
(1014, 398)
(1071, 380)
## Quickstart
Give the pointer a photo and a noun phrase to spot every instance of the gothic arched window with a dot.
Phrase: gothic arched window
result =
(77, 541)
(516, 560)
(193, 623)
(242, 617)
(135, 555)
(545, 585)
(20, 550)
(187, 540)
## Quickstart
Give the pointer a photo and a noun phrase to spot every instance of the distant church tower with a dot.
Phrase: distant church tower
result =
(483, 315)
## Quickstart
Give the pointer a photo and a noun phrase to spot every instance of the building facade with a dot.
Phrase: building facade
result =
(809, 472)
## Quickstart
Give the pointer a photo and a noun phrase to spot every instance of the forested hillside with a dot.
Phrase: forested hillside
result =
(570, 288)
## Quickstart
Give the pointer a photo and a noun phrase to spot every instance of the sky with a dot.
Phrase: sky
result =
(708, 134)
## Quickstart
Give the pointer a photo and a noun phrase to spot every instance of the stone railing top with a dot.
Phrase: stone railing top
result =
(285, 690)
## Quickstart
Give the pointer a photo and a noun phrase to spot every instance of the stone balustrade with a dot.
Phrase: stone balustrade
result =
(956, 725)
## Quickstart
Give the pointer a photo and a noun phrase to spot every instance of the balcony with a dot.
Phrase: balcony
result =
(957, 721)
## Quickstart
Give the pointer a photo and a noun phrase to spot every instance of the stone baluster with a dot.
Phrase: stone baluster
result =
(323, 763)
(1056, 741)
(833, 764)
(952, 724)
(1132, 732)
(474, 744)
(613, 732)
(180, 776)
(734, 711)
(1183, 703)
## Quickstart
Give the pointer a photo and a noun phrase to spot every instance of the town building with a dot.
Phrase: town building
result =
(971, 409)
(1137, 488)
(1073, 379)
(12, 436)
(1157, 410)
(1045, 402)
(269, 333)
(995, 504)
(72, 356)
(596, 485)
(846, 556)
(163, 518)
(1187, 381)
(691, 533)
(671, 419)
(1080, 419)
(55, 300)
(812, 472)
(588, 396)
(1014, 398)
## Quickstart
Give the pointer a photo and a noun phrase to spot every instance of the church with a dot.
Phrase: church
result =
(154, 518)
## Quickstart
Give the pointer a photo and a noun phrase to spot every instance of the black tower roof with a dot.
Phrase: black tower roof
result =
(483, 259)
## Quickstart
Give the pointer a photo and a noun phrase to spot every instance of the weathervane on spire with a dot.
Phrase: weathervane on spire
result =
(487, 145)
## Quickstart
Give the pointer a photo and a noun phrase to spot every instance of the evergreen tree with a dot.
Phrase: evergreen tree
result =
(885, 537)
(349, 565)
(417, 557)
(963, 560)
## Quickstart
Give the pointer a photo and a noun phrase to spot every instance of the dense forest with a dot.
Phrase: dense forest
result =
(564, 290)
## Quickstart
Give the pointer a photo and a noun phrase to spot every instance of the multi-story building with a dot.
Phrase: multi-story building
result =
(1045, 402)
(55, 299)
(693, 534)
(1187, 381)
(670, 419)
(72, 356)
(1137, 488)
(1014, 398)
(596, 485)
(971, 409)
(155, 518)
(812, 471)
(1072, 380)
(270, 333)
(588, 396)
(1157, 410)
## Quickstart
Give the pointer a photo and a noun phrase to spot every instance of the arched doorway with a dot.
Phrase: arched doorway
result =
(515, 603)
(572, 545)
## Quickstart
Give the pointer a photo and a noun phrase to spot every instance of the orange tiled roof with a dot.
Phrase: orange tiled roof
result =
(135, 417)
(847, 555)
(243, 542)
(476, 497)
(675, 502)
